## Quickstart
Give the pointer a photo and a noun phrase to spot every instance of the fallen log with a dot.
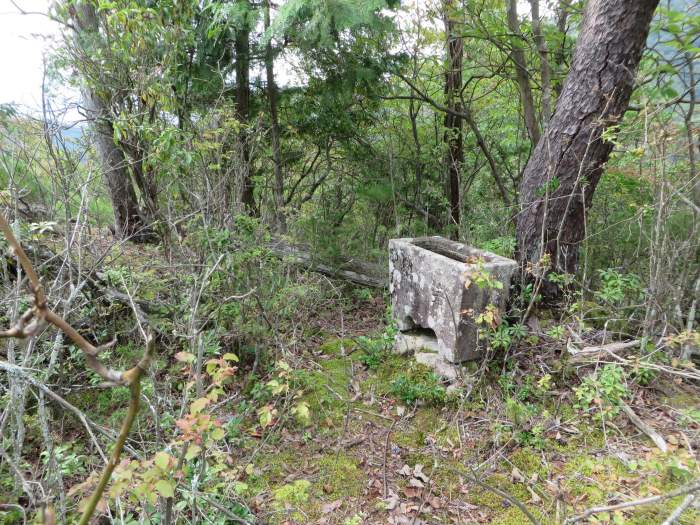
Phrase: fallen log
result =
(593, 353)
(364, 273)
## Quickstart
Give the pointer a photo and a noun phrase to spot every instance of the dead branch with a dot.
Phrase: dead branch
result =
(14, 369)
(680, 509)
(687, 489)
(591, 352)
(359, 272)
(659, 441)
(508, 497)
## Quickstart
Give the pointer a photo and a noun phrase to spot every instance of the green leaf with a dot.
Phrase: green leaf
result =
(302, 413)
(165, 488)
(198, 405)
(162, 460)
(192, 452)
(265, 416)
(239, 487)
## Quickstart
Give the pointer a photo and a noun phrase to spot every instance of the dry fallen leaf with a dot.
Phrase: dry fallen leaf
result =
(435, 502)
(415, 482)
(419, 474)
(535, 499)
(332, 506)
(392, 501)
(517, 476)
(412, 492)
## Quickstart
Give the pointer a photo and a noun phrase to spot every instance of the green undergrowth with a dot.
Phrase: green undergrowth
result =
(299, 482)
(581, 462)
(298, 471)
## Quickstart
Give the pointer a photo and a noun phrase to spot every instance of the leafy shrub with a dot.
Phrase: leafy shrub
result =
(67, 458)
(504, 246)
(375, 349)
(505, 335)
(419, 385)
(602, 391)
(617, 287)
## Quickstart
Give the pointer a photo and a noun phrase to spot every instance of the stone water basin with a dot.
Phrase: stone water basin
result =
(430, 295)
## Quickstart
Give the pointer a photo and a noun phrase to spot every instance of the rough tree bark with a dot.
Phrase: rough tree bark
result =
(128, 220)
(242, 49)
(562, 174)
(280, 220)
(453, 121)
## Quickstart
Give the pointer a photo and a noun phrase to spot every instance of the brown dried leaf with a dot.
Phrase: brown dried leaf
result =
(332, 506)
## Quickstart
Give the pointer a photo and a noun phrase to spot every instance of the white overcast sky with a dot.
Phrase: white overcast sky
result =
(24, 41)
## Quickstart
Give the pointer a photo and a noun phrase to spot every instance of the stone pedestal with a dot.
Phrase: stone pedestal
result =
(429, 277)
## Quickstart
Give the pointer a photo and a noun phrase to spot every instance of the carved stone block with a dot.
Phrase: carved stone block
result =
(430, 289)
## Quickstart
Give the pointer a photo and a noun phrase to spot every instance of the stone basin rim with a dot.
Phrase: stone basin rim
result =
(491, 259)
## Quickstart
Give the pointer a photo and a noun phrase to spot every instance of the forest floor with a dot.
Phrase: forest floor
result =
(386, 442)
(368, 458)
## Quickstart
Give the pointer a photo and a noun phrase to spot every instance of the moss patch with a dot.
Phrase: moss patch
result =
(336, 347)
(291, 497)
(340, 476)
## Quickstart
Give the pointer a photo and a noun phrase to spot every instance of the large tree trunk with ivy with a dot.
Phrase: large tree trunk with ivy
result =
(453, 122)
(562, 174)
(128, 220)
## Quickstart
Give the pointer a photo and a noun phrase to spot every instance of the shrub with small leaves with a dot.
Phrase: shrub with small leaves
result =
(602, 392)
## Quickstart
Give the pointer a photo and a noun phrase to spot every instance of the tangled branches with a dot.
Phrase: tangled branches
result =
(39, 315)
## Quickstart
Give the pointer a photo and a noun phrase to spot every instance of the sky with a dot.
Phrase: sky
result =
(25, 39)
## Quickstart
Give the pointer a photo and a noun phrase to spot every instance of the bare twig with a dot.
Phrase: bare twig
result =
(39, 314)
(610, 348)
(221, 508)
(134, 381)
(386, 453)
(14, 369)
(687, 502)
(687, 489)
(659, 441)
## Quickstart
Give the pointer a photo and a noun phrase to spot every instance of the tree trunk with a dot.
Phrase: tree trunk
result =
(521, 74)
(453, 122)
(560, 53)
(562, 174)
(280, 220)
(689, 127)
(545, 71)
(128, 220)
(242, 49)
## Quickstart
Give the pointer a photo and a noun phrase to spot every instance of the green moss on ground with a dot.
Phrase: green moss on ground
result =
(337, 347)
(340, 476)
(299, 482)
